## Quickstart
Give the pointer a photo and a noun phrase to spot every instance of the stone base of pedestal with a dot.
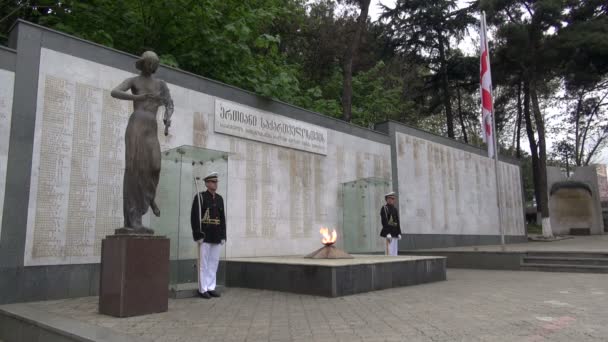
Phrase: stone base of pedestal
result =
(134, 275)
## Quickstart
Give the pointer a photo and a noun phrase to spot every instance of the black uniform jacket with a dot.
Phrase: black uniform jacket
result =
(211, 224)
(390, 221)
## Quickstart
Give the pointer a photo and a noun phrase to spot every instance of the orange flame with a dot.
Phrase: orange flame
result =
(328, 239)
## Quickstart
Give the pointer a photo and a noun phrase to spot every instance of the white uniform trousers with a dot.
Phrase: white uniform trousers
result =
(392, 246)
(208, 261)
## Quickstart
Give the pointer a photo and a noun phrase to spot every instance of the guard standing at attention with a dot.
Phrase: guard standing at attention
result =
(391, 230)
(208, 222)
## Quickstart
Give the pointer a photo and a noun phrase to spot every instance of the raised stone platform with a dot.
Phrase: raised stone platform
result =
(581, 254)
(333, 277)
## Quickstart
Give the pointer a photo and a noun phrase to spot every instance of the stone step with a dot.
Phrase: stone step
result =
(564, 260)
(564, 268)
(600, 255)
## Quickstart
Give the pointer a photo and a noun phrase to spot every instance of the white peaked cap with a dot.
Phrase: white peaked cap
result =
(212, 175)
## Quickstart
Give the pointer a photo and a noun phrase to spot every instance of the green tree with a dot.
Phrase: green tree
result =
(424, 29)
(320, 49)
(350, 54)
(563, 156)
(236, 42)
(35, 11)
(378, 97)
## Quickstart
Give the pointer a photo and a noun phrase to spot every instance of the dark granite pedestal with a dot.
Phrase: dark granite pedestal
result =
(134, 275)
(333, 277)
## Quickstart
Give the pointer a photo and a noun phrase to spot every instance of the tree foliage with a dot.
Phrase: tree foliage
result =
(424, 29)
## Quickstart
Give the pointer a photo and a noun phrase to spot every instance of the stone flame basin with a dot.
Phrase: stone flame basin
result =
(329, 251)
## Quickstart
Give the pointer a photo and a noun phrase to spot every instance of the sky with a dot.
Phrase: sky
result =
(374, 7)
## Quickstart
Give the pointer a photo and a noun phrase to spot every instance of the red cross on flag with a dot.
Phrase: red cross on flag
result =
(487, 108)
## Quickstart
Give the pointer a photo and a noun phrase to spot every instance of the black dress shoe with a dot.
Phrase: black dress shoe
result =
(205, 295)
(213, 293)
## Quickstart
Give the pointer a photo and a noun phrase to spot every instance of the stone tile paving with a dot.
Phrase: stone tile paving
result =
(473, 305)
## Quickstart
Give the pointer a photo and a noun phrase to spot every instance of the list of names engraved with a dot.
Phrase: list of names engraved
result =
(80, 171)
(114, 117)
(82, 203)
(54, 168)
(78, 162)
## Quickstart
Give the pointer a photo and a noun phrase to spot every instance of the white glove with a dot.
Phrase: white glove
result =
(388, 236)
(200, 241)
(222, 242)
(399, 236)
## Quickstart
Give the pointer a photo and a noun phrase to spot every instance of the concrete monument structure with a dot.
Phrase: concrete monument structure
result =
(574, 202)
(65, 167)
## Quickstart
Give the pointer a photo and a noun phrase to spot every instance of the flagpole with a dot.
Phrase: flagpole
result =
(494, 142)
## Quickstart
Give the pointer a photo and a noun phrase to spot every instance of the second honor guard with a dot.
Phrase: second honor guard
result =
(391, 230)
(208, 222)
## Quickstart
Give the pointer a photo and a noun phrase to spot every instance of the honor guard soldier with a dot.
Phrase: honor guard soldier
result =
(208, 222)
(391, 230)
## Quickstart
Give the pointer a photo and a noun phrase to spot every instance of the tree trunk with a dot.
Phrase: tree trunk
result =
(519, 115)
(347, 68)
(567, 165)
(462, 125)
(347, 90)
(586, 157)
(446, 87)
(591, 153)
(542, 161)
(577, 136)
(532, 142)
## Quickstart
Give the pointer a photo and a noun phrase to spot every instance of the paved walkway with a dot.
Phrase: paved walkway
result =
(473, 305)
(594, 243)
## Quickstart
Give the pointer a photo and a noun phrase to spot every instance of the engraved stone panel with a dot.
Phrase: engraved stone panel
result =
(82, 199)
(444, 190)
(78, 161)
(54, 167)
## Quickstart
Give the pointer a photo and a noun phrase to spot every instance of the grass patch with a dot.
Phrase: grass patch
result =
(534, 228)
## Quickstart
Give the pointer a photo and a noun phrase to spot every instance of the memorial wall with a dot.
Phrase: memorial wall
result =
(284, 174)
(7, 79)
(286, 166)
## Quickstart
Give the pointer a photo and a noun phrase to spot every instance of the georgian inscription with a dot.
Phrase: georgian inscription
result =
(246, 122)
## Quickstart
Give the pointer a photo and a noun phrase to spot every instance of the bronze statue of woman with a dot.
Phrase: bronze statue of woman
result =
(142, 153)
